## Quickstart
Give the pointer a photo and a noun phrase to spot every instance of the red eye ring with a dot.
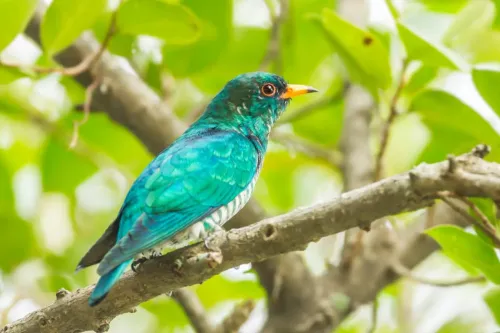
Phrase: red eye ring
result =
(268, 90)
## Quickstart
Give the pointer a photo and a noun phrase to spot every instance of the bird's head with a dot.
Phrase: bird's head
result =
(255, 98)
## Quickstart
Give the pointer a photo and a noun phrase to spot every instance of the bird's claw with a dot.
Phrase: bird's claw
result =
(137, 263)
(208, 246)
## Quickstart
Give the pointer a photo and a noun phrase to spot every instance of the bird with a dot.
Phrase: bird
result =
(197, 183)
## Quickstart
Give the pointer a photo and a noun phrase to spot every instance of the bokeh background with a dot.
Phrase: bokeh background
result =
(56, 200)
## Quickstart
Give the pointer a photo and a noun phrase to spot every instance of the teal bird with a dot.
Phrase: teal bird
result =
(199, 182)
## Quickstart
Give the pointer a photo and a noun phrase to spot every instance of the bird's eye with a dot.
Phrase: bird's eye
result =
(268, 89)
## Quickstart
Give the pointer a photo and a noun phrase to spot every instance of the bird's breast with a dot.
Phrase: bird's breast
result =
(226, 212)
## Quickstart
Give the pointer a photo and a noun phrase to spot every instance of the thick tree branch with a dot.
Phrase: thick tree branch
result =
(409, 191)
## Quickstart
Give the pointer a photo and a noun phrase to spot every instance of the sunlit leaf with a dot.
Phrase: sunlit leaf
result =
(9, 75)
(65, 20)
(418, 48)
(167, 311)
(444, 6)
(469, 23)
(329, 133)
(486, 82)
(469, 248)
(303, 49)
(54, 282)
(228, 290)
(216, 29)
(420, 79)
(364, 55)
(496, 23)
(455, 127)
(14, 16)
(63, 169)
(245, 52)
(15, 231)
(121, 44)
(115, 141)
(492, 298)
(173, 23)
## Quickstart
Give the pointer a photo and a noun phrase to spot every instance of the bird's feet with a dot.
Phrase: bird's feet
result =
(138, 262)
(211, 229)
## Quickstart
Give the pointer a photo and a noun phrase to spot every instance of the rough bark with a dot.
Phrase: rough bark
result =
(471, 176)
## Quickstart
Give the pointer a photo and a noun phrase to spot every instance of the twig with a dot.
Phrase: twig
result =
(485, 226)
(237, 318)
(400, 269)
(85, 64)
(89, 92)
(373, 326)
(273, 49)
(478, 213)
(198, 317)
(310, 149)
(393, 112)
(194, 310)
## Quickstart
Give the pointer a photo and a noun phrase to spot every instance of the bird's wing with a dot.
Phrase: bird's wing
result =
(195, 178)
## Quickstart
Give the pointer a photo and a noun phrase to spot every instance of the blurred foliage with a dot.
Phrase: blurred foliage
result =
(56, 201)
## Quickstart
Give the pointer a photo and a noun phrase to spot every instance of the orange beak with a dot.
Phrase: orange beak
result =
(293, 90)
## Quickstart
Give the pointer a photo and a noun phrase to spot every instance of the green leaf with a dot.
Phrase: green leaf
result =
(9, 75)
(228, 290)
(488, 208)
(455, 127)
(492, 298)
(173, 23)
(420, 79)
(65, 20)
(14, 16)
(121, 145)
(160, 306)
(487, 83)
(496, 23)
(62, 169)
(462, 246)
(444, 6)
(303, 49)
(216, 29)
(473, 20)
(53, 282)
(363, 53)
(15, 231)
(330, 116)
(121, 44)
(245, 52)
(418, 48)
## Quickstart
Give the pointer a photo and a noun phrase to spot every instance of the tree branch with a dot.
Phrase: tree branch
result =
(194, 310)
(83, 65)
(274, 48)
(122, 94)
(393, 112)
(409, 191)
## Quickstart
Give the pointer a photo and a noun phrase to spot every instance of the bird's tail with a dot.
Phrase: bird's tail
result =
(106, 282)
